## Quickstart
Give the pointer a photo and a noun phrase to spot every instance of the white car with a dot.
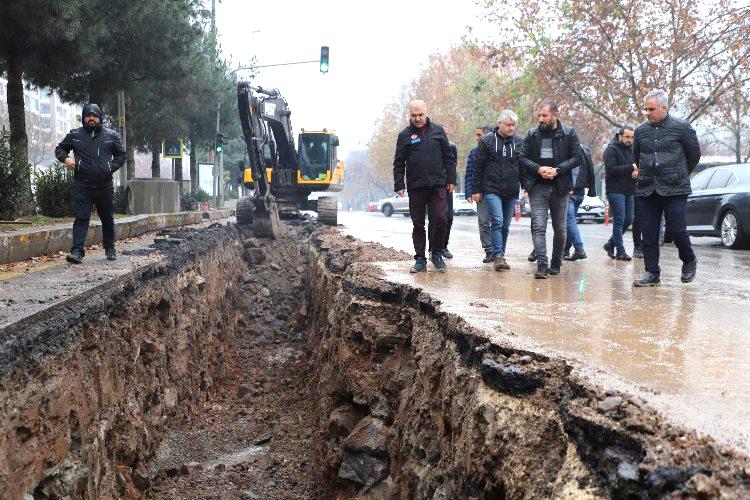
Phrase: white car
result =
(591, 209)
(394, 205)
(461, 206)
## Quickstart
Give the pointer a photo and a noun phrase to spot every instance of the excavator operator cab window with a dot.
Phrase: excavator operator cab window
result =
(314, 156)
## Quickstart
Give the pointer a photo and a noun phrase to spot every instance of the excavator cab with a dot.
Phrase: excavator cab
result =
(319, 167)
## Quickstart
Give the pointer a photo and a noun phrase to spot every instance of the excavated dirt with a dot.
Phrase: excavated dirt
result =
(245, 368)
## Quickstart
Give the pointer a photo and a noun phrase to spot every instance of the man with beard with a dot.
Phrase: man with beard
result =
(549, 154)
(620, 176)
(98, 153)
(423, 155)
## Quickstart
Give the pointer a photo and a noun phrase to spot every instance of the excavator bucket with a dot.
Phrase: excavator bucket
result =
(265, 218)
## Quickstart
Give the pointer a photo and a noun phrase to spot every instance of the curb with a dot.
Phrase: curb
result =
(16, 247)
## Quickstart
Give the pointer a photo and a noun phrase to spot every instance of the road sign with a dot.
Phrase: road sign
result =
(172, 149)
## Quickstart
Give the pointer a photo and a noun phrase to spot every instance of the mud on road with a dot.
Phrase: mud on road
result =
(243, 368)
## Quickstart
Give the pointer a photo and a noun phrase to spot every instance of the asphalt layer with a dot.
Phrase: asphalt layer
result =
(684, 347)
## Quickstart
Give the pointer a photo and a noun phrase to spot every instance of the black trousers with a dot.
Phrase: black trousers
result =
(449, 223)
(636, 226)
(433, 198)
(674, 210)
(84, 197)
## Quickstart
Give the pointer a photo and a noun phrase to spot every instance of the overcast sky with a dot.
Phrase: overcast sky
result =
(375, 49)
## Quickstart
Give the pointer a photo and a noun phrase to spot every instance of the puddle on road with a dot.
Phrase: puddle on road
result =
(686, 346)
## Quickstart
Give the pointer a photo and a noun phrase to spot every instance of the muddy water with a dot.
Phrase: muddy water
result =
(686, 348)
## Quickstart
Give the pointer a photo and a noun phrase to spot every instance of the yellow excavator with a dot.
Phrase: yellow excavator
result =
(278, 174)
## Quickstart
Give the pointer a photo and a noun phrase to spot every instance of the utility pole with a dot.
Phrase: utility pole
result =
(123, 134)
(216, 159)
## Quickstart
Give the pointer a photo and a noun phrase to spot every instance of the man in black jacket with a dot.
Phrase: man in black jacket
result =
(449, 221)
(666, 151)
(495, 181)
(424, 156)
(98, 154)
(583, 184)
(549, 154)
(620, 174)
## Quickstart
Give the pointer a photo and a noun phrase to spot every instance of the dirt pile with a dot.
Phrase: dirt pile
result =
(245, 368)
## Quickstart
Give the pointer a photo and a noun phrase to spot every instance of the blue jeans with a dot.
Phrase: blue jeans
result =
(650, 211)
(501, 211)
(574, 236)
(622, 216)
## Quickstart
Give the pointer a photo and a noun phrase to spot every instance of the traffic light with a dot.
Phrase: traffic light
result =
(324, 59)
(220, 141)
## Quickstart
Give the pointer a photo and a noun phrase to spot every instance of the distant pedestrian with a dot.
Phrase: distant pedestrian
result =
(98, 153)
(620, 176)
(423, 155)
(583, 185)
(449, 222)
(496, 181)
(549, 154)
(483, 213)
(666, 151)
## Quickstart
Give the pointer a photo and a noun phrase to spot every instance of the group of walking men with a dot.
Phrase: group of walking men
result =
(647, 178)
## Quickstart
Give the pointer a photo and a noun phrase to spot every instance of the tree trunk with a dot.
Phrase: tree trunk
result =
(193, 168)
(19, 141)
(130, 149)
(130, 144)
(155, 163)
(178, 174)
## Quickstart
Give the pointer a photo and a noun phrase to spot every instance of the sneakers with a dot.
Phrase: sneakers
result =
(532, 256)
(637, 253)
(447, 254)
(610, 250)
(500, 263)
(488, 257)
(420, 265)
(437, 261)
(75, 257)
(622, 255)
(542, 271)
(648, 279)
(554, 268)
(577, 255)
(110, 254)
(688, 271)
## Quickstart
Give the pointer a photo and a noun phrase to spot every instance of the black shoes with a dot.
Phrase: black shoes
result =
(420, 265)
(75, 257)
(610, 250)
(577, 255)
(447, 254)
(648, 279)
(110, 254)
(554, 268)
(622, 255)
(637, 253)
(488, 257)
(688, 271)
(542, 271)
(532, 256)
(437, 261)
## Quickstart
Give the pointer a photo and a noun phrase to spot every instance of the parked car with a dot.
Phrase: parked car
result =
(394, 205)
(461, 206)
(720, 205)
(591, 209)
(372, 206)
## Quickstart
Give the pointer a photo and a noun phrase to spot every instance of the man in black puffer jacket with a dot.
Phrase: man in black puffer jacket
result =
(548, 156)
(666, 151)
(496, 181)
(583, 184)
(98, 153)
(424, 156)
(620, 176)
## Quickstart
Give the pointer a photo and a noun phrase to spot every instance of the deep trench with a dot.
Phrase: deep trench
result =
(290, 368)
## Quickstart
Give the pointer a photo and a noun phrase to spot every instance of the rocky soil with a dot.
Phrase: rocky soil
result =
(245, 368)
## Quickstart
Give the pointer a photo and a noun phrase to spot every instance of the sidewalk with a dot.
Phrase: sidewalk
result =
(30, 242)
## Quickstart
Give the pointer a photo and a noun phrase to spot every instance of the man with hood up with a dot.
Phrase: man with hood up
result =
(98, 153)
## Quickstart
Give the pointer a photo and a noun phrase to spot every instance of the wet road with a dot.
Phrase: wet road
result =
(683, 347)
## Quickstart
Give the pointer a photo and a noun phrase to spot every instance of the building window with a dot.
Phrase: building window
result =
(45, 122)
(45, 108)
